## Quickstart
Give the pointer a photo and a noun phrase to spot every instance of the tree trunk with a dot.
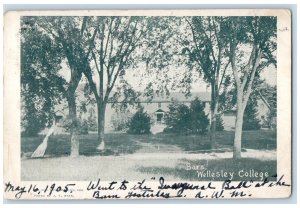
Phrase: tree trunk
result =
(74, 138)
(213, 117)
(213, 130)
(101, 124)
(237, 147)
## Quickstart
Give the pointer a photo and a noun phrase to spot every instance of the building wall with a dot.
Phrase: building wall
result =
(229, 122)
(151, 108)
(262, 110)
(229, 119)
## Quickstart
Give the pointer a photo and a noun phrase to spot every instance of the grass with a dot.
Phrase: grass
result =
(137, 168)
(122, 144)
(262, 139)
(134, 163)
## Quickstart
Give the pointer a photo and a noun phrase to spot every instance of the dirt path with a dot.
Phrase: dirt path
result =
(118, 167)
(147, 148)
(250, 153)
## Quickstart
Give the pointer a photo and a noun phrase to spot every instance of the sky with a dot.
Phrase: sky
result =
(139, 79)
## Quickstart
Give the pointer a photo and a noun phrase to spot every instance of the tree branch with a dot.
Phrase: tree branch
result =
(108, 37)
(223, 75)
(249, 87)
(88, 74)
(233, 64)
(248, 66)
(95, 60)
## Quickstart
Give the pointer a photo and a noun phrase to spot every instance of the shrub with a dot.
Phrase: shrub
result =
(250, 121)
(83, 128)
(32, 126)
(140, 123)
(120, 120)
(178, 118)
(219, 123)
(183, 119)
(199, 120)
(92, 124)
(80, 126)
(34, 121)
(269, 121)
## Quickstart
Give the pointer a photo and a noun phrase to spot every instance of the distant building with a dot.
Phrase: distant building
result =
(156, 108)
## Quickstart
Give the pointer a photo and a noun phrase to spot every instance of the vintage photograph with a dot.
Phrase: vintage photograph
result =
(143, 96)
(169, 97)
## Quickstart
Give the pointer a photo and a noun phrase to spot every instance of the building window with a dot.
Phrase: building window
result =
(159, 117)
(159, 105)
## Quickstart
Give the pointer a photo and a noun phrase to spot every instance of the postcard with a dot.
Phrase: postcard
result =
(147, 104)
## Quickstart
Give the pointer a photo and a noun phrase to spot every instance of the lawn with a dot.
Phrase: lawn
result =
(137, 157)
(122, 144)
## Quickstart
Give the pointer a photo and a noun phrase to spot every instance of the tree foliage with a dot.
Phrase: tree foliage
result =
(251, 121)
(178, 118)
(252, 47)
(186, 119)
(268, 95)
(41, 87)
(120, 119)
(140, 123)
(207, 54)
(219, 123)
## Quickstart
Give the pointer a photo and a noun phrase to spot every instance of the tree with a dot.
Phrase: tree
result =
(120, 119)
(178, 118)
(268, 94)
(207, 53)
(92, 120)
(140, 123)
(219, 123)
(184, 119)
(250, 120)
(101, 48)
(259, 35)
(117, 46)
(69, 35)
(114, 40)
(41, 87)
(199, 120)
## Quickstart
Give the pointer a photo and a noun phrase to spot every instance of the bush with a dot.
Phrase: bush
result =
(120, 120)
(183, 119)
(199, 120)
(140, 123)
(219, 123)
(92, 124)
(269, 121)
(83, 128)
(80, 126)
(92, 121)
(178, 118)
(34, 121)
(250, 121)
(32, 127)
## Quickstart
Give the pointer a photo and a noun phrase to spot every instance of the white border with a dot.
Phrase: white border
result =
(122, 2)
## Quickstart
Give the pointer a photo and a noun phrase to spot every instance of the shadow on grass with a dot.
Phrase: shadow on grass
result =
(59, 145)
(243, 169)
(29, 144)
(260, 139)
(122, 143)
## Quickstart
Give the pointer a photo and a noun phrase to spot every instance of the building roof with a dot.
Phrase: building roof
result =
(159, 111)
(178, 96)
